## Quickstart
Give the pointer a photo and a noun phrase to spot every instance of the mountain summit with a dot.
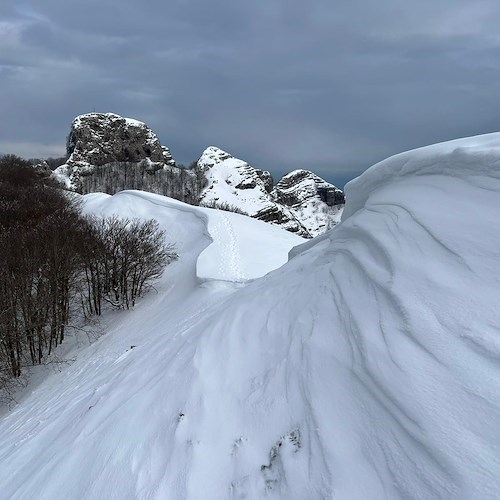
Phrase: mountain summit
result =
(109, 153)
(301, 201)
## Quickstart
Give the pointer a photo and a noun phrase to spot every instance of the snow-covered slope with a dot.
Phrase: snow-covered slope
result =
(301, 201)
(368, 366)
(233, 183)
(234, 251)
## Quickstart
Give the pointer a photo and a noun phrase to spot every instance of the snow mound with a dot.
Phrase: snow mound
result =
(240, 248)
(472, 157)
(368, 366)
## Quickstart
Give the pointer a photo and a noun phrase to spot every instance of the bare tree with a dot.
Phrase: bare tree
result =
(123, 258)
(50, 255)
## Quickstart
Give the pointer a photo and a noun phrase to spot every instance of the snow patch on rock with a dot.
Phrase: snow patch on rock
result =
(233, 183)
(317, 204)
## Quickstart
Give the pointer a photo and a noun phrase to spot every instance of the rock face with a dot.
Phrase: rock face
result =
(235, 185)
(301, 201)
(101, 138)
(42, 168)
(317, 204)
(109, 153)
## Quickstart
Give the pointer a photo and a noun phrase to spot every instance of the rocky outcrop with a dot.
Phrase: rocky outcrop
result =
(100, 139)
(235, 185)
(42, 168)
(109, 153)
(297, 187)
(301, 201)
(317, 204)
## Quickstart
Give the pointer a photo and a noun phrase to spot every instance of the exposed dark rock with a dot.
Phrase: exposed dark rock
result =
(316, 203)
(42, 169)
(109, 153)
(101, 138)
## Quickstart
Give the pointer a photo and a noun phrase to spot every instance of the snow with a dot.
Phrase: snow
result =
(62, 175)
(236, 252)
(312, 212)
(224, 173)
(132, 122)
(476, 156)
(232, 182)
(243, 248)
(368, 366)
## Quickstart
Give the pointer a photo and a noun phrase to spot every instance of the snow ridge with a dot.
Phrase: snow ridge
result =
(368, 366)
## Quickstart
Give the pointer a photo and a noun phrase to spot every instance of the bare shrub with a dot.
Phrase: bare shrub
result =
(222, 205)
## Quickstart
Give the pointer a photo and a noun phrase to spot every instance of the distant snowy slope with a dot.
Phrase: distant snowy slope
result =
(243, 248)
(367, 367)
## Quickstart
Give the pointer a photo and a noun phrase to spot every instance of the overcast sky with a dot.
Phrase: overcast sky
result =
(331, 86)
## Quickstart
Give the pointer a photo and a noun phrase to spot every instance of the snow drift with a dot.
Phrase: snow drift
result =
(368, 366)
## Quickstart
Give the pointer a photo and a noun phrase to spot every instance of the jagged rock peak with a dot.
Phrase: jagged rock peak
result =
(101, 138)
(107, 152)
(235, 185)
(213, 156)
(316, 203)
(297, 186)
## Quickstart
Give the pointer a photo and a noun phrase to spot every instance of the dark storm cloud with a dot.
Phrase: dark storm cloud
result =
(329, 86)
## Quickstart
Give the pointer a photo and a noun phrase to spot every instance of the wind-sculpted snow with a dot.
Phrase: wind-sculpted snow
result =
(242, 248)
(476, 157)
(366, 367)
(239, 249)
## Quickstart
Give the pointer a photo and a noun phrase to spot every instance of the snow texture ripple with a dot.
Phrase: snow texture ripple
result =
(368, 366)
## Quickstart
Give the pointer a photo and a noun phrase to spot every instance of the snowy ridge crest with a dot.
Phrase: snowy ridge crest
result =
(471, 157)
(366, 367)
(301, 202)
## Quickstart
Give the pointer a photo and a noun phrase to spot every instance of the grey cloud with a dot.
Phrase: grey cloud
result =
(332, 87)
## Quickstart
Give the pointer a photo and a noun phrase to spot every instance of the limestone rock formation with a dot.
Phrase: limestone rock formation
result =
(235, 185)
(42, 168)
(109, 153)
(101, 139)
(317, 204)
